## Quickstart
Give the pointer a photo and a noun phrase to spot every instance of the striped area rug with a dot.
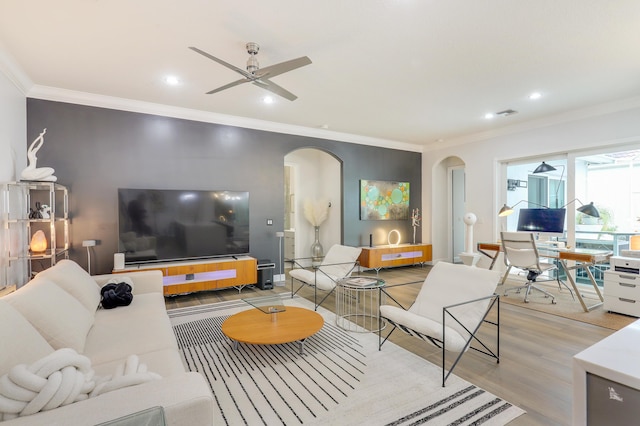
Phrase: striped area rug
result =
(341, 378)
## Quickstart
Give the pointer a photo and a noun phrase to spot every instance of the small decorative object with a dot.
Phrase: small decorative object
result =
(316, 212)
(393, 237)
(415, 222)
(45, 211)
(35, 214)
(38, 242)
(31, 172)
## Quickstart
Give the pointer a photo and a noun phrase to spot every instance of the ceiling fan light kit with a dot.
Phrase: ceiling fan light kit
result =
(254, 74)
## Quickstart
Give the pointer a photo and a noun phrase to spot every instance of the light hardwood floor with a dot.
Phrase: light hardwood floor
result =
(535, 348)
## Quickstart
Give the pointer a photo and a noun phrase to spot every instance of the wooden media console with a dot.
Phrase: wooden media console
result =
(201, 275)
(389, 256)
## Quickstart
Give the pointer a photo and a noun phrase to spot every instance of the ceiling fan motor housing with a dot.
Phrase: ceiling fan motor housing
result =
(252, 63)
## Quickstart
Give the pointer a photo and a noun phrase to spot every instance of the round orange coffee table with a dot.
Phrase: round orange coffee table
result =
(258, 328)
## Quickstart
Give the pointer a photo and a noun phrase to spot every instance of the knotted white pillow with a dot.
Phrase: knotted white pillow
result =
(62, 378)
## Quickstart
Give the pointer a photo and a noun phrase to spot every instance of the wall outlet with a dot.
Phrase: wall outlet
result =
(269, 222)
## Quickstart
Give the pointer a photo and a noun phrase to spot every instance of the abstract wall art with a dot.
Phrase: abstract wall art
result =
(384, 200)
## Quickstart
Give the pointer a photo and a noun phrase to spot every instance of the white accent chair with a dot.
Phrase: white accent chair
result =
(454, 301)
(338, 263)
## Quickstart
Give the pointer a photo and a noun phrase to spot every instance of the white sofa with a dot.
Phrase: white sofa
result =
(60, 309)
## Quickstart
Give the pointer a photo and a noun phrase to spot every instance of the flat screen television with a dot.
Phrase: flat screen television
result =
(166, 224)
(544, 221)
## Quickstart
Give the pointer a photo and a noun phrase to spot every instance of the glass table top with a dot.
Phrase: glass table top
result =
(362, 282)
(267, 304)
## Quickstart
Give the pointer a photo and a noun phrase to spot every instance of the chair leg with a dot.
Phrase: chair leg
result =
(527, 287)
(546, 293)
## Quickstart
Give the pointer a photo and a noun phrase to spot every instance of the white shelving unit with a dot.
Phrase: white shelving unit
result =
(20, 200)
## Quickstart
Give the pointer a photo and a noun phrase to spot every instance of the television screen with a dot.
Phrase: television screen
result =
(162, 225)
(548, 221)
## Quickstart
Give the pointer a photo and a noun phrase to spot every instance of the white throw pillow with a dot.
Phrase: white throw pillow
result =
(57, 315)
(76, 281)
(21, 342)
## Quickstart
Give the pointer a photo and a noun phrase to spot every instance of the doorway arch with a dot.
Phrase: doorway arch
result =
(316, 175)
(449, 195)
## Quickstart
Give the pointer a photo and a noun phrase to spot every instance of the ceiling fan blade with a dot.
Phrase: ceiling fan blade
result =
(221, 62)
(282, 67)
(226, 86)
(274, 88)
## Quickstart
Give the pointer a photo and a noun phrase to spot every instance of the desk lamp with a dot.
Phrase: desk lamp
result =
(588, 209)
(545, 168)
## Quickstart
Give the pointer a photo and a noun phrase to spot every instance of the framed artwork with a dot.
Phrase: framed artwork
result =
(384, 200)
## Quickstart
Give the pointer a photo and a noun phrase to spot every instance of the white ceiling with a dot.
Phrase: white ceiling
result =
(413, 71)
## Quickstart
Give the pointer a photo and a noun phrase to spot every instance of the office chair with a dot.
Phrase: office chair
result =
(520, 251)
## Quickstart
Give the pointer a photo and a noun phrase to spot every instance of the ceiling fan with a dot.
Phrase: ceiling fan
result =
(256, 75)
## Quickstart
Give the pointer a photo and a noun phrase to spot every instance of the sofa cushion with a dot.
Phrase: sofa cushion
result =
(165, 362)
(21, 342)
(141, 327)
(76, 281)
(59, 317)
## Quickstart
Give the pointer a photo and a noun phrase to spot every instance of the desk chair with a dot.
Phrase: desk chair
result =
(520, 251)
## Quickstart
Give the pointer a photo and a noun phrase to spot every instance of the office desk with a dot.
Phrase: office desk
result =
(584, 258)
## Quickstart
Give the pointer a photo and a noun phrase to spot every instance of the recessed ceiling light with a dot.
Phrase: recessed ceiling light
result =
(268, 100)
(172, 80)
(535, 95)
(489, 115)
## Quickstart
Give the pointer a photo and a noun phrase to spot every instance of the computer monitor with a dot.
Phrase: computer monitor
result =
(544, 221)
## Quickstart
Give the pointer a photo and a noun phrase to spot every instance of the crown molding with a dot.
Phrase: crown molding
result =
(10, 68)
(568, 116)
(111, 102)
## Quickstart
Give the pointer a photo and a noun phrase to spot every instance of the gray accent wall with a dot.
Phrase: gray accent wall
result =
(95, 151)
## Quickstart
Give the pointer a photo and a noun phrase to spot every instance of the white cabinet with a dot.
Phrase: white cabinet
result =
(622, 293)
(606, 380)
(22, 219)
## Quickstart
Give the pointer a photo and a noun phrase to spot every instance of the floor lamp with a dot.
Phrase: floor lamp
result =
(280, 235)
(88, 244)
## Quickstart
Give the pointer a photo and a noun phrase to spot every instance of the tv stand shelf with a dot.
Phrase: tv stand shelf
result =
(201, 275)
(388, 256)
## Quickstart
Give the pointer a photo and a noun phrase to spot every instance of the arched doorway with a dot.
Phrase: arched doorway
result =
(449, 194)
(311, 175)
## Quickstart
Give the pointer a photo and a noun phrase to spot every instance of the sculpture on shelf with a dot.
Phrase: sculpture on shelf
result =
(415, 222)
(31, 172)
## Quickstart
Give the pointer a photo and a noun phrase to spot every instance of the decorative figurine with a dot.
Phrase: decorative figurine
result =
(37, 173)
(415, 222)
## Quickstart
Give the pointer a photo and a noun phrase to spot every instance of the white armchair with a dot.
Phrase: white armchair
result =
(454, 301)
(338, 263)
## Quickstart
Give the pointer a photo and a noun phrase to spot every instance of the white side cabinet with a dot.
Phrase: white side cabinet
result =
(622, 293)
(30, 207)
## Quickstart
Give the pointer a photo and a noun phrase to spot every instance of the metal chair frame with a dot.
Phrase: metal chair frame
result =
(317, 269)
(446, 313)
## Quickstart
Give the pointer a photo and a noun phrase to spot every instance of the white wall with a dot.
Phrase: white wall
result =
(13, 158)
(486, 189)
